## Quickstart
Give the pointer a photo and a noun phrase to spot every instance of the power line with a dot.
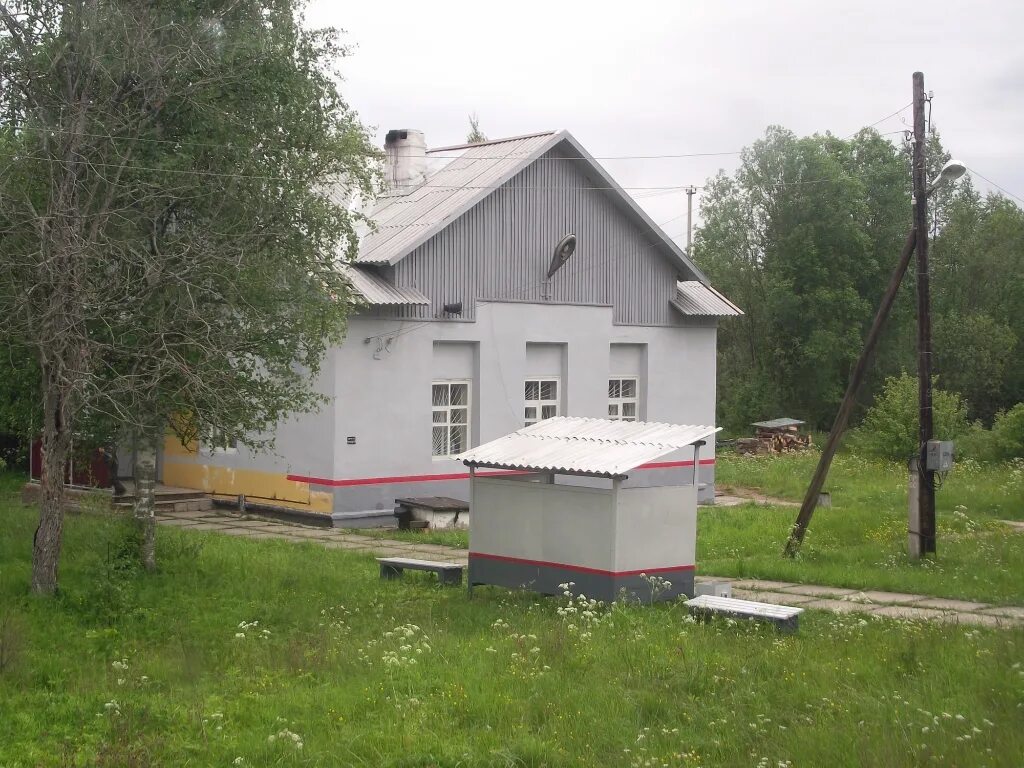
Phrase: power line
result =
(462, 155)
(887, 117)
(260, 177)
(1005, 191)
(429, 155)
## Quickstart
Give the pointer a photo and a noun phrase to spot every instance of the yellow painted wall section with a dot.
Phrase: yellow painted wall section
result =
(272, 487)
(173, 447)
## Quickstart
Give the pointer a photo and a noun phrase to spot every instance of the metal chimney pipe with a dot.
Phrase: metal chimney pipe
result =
(405, 151)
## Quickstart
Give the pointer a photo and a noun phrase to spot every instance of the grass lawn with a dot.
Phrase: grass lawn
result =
(171, 669)
(447, 538)
(861, 541)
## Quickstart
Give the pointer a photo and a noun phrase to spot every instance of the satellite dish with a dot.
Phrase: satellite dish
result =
(565, 248)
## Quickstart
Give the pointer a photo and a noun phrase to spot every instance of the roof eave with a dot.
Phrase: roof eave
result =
(536, 471)
(678, 253)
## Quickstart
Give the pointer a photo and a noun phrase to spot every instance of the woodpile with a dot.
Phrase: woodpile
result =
(774, 439)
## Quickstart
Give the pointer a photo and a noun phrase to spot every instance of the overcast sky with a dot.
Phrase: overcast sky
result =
(650, 78)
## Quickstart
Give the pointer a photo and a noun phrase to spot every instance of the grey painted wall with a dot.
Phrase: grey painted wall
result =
(501, 249)
(385, 403)
(382, 399)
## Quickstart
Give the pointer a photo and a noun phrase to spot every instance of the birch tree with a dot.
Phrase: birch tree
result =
(168, 255)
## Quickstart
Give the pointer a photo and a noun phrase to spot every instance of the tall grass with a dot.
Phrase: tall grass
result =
(861, 542)
(242, 652)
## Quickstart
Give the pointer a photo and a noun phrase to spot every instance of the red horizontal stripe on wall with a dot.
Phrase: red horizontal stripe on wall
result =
(673, 464)
(344, 482)
(580, 568)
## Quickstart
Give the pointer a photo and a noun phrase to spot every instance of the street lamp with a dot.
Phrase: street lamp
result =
(951, 171)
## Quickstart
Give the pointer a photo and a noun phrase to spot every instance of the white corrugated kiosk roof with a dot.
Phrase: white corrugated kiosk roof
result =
(378, 291)
(576, 445)
(696, 298)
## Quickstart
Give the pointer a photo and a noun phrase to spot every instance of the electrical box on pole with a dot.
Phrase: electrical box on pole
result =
(939, 456)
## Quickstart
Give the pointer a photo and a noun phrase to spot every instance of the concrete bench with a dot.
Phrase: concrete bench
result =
(783, 616)
(447, 573)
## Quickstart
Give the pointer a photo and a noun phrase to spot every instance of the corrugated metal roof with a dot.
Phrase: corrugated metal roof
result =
(453, 184)
(461, 176)
(579, 445)
(696, 298)
(777, 423)
(378, 291)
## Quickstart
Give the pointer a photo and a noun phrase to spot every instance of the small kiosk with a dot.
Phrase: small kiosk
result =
(559, 511)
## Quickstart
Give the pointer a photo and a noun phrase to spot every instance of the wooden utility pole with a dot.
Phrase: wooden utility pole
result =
(917, 241)
(926, 493)
(690, 192)
(796, 537)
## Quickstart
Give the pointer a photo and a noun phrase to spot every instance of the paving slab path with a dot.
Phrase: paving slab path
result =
(895, 605)
(733, 496)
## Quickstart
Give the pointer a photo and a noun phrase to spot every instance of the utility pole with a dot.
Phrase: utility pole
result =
(803, 520)
(690, 192)
(922, 486)
(926, 491)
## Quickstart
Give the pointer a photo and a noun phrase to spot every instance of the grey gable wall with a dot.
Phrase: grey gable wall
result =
(501, 249)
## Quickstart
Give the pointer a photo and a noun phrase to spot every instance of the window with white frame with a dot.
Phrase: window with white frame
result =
(219, 440)
(541, 400)
(451, 417)
(623, 401)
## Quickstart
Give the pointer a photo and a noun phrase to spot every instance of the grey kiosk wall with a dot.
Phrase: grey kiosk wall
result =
(558, 512)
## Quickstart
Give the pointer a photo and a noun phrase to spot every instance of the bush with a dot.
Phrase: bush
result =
(1004, 441)
(890, 428)
(1008, 433)
(976, 444)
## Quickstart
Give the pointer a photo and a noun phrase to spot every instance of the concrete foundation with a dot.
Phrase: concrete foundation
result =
(599, 585)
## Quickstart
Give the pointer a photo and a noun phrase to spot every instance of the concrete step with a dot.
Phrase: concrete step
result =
(198, 503)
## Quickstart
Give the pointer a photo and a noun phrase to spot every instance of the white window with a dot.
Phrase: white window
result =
(451, 417)
(541, 400)
(218, 440)
(623, 403)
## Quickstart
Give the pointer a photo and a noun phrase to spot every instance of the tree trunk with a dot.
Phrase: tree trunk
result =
(145, 503)
(56, 452)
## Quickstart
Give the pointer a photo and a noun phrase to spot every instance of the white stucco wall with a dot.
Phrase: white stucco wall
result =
(383, 398)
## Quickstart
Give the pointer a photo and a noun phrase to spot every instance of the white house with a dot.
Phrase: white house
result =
(480, 318)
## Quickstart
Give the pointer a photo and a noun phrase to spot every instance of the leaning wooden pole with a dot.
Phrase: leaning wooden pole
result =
(803, 519)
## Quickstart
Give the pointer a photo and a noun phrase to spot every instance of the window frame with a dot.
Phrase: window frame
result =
(618, 402)
(448, 424)
(216, 441)
(539, 404)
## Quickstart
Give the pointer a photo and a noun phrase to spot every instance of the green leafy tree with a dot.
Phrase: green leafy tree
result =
(20, 414)
(802, 237)
(890, 427)
(973, 354)
(978, 257)
(168, 249)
